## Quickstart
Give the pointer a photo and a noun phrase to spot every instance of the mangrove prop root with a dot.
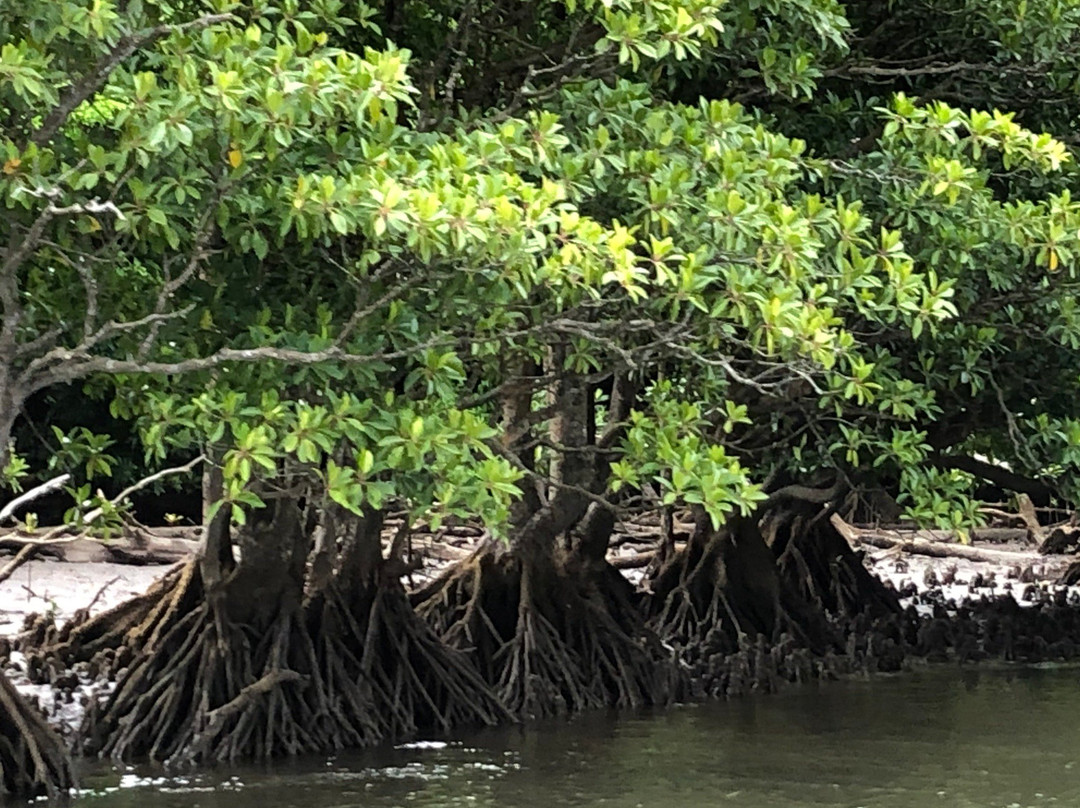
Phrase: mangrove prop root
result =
(201, 688)
(195, 686)
(716, 595)
(135, 623)
(212, 691)
(417, 681)
(33, 759)
(559, 644)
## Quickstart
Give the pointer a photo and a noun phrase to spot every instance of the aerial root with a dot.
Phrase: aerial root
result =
(197, 687)
(569, 645)
(139, 622)
(315, 678)
(212, 691)
(33, 760)
(417, 682)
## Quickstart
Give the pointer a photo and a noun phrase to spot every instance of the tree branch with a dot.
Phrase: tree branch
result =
(93, 81)
(55, 484)
(54, 535)
(996, 475)
(18, 252)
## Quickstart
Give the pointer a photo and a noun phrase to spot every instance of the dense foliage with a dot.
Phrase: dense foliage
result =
(536, 264)
(354, 244)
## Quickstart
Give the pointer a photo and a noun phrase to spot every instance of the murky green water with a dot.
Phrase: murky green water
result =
(944, 737)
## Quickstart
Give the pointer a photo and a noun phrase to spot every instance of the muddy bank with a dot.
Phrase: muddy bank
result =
(62, 588)
(57, 590)
(954, 610)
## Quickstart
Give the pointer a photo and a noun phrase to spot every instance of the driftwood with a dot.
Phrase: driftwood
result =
(640, 559)
(138, 546)
(632, 562)
(443, 552)
(989, 535)
(923, 543)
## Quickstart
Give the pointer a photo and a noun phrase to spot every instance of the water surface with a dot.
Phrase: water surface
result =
(944, 737)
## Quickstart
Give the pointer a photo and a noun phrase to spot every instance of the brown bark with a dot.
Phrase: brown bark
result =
(571, 466)
(819, 565)
(360, 539)
(516, 416)
(590, 539)
(216, 558)
(12, 400)
(269, 581)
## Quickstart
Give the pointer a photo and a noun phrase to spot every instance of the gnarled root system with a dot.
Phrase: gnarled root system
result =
(550, 639)
(416, 682)
(202, 686)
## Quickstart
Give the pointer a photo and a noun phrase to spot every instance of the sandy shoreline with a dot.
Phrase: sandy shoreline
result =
(63, 588)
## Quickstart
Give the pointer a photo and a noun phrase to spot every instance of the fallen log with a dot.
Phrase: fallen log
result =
(632, 562)
(640, 559)
(1001, 535)
(137, 547)
(443, 552)
(920, 545)
(990, 535)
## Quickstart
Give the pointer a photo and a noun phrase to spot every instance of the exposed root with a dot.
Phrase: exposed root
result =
(136, 623)
(194, 685)
(202, 689)
(721, 590)
(33, 759)
(416, 681)
(549, 640)
(817, 564)
(734, 620)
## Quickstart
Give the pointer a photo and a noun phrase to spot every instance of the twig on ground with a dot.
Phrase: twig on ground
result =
(101, 592)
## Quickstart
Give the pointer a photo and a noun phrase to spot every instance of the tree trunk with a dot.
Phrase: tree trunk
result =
(720, 603)
(517, 434)
(11, 405)
(367, 632)
(724, 584)
(551, 625)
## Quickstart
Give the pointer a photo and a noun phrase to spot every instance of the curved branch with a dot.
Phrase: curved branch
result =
(805, 493)
(996, 475)
(55, 484)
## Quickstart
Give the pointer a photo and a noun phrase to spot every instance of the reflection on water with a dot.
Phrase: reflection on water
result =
(941, 737)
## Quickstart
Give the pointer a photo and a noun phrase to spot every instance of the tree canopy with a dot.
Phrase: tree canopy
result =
(381, 247)
(538, 265)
